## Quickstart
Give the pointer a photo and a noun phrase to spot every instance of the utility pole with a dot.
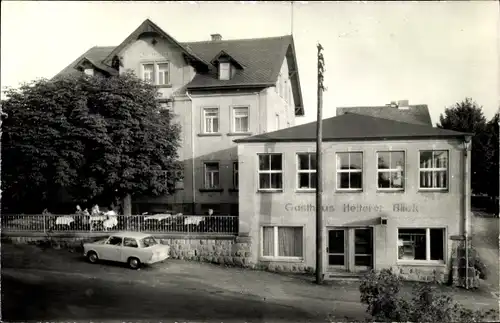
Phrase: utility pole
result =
(319, 178)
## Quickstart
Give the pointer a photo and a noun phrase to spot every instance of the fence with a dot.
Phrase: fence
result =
(164, 223)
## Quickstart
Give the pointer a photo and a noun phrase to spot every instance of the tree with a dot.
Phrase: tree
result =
(467, 116)
(91, 136)
(492, 157)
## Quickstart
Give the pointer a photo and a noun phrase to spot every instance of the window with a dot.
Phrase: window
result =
(224, 71)
(148, 72)
(163, 74)
(148, 242)
(282, 242)
(350, 171)
(421, 244)
(235, 175)
(270, 172)
(89, 71)
(115, 241)
(211, 120)
(277, 121)
(129, 242)
(306, 171)
(156, 73)
(240, 119)
(211, 175)
(390, 170)
(434, 169)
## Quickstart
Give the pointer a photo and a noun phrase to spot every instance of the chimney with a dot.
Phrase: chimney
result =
(403, 104)
(216, 37)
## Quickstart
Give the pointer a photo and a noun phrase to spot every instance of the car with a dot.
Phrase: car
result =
(132, 248)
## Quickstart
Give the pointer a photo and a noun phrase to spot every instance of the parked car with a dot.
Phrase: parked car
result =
(133, 248)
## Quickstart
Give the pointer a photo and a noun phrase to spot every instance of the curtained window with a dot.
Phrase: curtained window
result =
(282, 242)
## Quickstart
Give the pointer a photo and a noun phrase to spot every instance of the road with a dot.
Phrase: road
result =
(56, 285)
(485, 238)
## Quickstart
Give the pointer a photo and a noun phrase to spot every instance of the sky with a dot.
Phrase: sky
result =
(434, 53)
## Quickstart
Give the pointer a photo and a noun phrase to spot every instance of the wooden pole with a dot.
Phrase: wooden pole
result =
(319, 179)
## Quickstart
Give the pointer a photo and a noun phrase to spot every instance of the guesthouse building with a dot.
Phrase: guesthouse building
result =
(395, 193)
(217, 90)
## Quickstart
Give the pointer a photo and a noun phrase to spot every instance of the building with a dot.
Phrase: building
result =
(219, 90)
(394, 195)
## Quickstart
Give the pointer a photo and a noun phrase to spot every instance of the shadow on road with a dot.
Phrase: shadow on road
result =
(59, 297)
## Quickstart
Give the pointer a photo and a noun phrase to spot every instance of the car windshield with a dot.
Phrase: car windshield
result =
(148, 242)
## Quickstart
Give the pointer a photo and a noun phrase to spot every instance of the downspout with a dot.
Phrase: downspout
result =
(193, 179)
(466, 192)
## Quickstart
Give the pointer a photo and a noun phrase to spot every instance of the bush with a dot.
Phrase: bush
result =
(381, 292)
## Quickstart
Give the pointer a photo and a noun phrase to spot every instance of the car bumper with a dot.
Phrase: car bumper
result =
(157, 259)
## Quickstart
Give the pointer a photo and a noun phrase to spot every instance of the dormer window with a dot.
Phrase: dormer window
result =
(224, 71)
(226, 65)
(89, 71)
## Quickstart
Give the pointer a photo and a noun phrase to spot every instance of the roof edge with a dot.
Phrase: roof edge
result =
(299, 106)
(271, 140)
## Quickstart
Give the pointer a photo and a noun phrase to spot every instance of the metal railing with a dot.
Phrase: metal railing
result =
(160, 223)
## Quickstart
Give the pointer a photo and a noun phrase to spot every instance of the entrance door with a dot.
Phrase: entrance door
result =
(363, 249)
(336, 249)
(350, 249)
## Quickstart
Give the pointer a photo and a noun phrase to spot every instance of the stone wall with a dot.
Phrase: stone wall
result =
(234, 251)
(423, 273)
(225, 250)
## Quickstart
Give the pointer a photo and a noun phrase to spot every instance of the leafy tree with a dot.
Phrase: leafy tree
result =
(491, 168)
(467, 116)
(91, 136)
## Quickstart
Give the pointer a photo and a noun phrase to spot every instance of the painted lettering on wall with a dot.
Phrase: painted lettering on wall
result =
(354, 208)
(154, 54)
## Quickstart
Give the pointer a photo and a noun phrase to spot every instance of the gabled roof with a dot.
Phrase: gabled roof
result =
(150, 27)
(351, 126)
(261, 58)
(417, 114)
(95, 54)
(224, 54)
(98, 65)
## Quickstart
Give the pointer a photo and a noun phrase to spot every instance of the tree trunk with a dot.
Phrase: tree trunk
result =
(127, 205)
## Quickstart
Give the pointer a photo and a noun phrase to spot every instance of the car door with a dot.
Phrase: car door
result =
(130, 248)
(111, 250)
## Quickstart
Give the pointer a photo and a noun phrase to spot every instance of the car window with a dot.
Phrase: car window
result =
(130, 242)
(115, 241)
(148, 242)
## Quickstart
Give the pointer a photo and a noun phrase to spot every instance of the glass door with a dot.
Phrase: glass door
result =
(336, 249)
(363, 249)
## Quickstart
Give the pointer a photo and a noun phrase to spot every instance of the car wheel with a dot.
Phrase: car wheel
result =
(134, 263)
(92, 257)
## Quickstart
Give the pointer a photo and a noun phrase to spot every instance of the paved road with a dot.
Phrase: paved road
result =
(55, 285)
(485, 238)
(61, 286)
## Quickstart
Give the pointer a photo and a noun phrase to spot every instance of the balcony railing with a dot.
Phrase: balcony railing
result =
(160, 223)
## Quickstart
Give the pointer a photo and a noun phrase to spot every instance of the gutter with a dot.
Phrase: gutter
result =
(193, 179)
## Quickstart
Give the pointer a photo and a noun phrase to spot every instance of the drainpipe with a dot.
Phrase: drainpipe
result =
(193, 180)
(466, 192)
